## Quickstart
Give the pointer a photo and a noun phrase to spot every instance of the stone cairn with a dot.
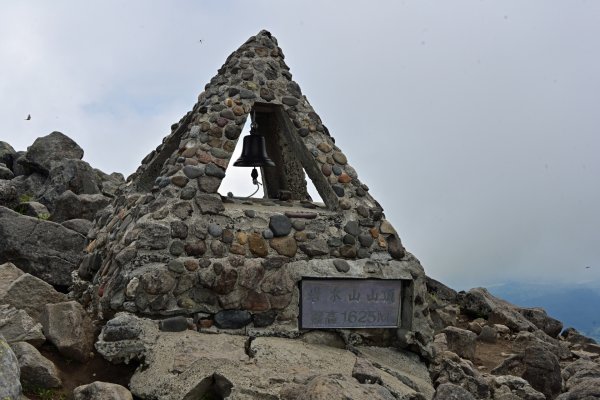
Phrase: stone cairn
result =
(171, 245)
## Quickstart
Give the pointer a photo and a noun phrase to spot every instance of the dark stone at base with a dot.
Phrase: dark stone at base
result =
(175, 324)
(341, 265)
(232, 319)
(264, 319)
(280, 225)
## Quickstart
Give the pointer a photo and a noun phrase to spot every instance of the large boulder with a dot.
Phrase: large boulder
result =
(6, 154)
(189, 365)
(461, 341)
(43, 248)
(8, 274)
(18, 326)
(538, 316)
(450, 391)
(101, 391)
(5, 172)
(479, 303)
(70, 329)
(333, 387)
(448, 367)
(9, 196)
(46, 151)
(30, 294)
(83, 206)
(10, 385)
(36, 370)
(507, 387)
(74, 175)
(582, 381)
(536, 365)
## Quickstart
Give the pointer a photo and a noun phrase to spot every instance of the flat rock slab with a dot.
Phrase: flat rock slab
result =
(402, 365)
(182, 365)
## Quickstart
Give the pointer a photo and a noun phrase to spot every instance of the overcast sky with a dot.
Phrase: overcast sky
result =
(475, 123)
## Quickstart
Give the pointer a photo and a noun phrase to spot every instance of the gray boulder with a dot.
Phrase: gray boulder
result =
(580, 371)
(18, 326)
(109, 183)
(83, 206)
(36, 370)
(101, 391)
(46, 151)
(538, 316)
(20, 166)
(536, 365)
(30, 294)
(333, 387)
(461, 341)
(573, 336)
(74, 339)
(513, 387)
(10, 385)
(81, 226)
(449, 391)
(74, 175)
(9, 196)
(29, 186)
(6, 154)
(479, 303)
(43, 248)
(8, 274)
(5, 172)
(33, 209)
(450, 368)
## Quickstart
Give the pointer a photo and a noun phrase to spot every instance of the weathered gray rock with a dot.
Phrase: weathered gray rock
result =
(441, 292)
(8, 274)
(34, 209)
(508, 386)
(573, 336)
(46, 151)
(538, 316)
(536, 365)
(449, 391)
(10, 385)
(9, 197)
(6, 173)
(461, 341)
(189, 364)
(42, 248)
(334, 387)
(31, 294)
(580, 371)
(102, 391)
(479, 302)
(74, 339)
(81, 226)
(587, 390)
(74, 175)
(18, 326)
(36, 370)
(399, 366)
(109, 183)
(83, 206)
(450, 368)
(7, 154)
(365, 372)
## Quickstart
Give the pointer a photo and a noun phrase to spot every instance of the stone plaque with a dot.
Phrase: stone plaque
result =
(350, 303)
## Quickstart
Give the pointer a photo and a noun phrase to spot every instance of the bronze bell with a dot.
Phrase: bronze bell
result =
(254, 152)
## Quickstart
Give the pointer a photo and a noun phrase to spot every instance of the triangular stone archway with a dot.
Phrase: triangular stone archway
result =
(172, 245)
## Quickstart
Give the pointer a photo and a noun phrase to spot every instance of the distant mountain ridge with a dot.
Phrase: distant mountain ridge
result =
(575, 305)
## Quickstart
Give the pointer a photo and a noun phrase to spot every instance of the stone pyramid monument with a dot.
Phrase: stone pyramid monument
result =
(170, 244)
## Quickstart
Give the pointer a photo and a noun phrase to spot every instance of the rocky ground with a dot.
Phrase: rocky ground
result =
(51, 348)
